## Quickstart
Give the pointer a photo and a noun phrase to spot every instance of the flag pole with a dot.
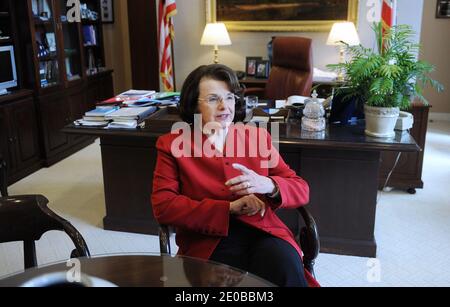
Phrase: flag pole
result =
(173, 66)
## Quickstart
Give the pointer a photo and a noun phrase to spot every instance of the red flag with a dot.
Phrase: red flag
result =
(388, 14)
(167, 9)
(388, 18)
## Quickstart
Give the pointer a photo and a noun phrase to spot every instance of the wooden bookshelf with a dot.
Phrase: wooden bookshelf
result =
(47, 98)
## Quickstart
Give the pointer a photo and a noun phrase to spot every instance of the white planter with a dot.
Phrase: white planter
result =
(380, 122)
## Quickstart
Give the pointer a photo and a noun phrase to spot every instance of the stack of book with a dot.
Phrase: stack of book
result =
(128, 98)
(129, 118)
(143, 98)
(97, 117)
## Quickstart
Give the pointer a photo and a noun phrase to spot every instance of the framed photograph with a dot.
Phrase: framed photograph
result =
(107, 11)
(250, 65)
(262, 69)
(443, 9)
(281, 15)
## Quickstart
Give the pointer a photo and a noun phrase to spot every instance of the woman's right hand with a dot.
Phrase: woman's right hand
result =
(249, 205)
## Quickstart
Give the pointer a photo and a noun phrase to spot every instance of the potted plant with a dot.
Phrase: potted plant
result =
(385, 80)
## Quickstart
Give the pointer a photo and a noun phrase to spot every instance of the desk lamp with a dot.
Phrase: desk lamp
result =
(216, 35)
(343, 32)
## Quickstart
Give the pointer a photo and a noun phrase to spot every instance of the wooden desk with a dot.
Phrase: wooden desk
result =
(407, 174)
(341, 167)
(149, 271)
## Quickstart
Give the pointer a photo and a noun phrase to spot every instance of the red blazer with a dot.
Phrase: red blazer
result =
(190, 193)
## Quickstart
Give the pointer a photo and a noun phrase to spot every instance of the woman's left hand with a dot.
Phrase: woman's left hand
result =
(250, 182)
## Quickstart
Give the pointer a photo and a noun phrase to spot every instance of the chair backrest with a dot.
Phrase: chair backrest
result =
(26, 218)
(292, 68)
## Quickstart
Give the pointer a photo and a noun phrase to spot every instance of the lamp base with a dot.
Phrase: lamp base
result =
(216, 54)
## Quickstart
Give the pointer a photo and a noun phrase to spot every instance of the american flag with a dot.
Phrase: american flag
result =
(167, 9)
(388, 17)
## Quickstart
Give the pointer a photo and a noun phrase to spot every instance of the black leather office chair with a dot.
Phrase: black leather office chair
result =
(26, 218)
(307, 236)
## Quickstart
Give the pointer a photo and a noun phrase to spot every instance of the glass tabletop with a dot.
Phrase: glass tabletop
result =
(135, 270)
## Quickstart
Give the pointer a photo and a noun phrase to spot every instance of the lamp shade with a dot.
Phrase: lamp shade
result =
(215, 34)
(343, 31)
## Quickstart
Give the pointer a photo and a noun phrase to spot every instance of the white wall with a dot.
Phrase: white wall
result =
(191, 18)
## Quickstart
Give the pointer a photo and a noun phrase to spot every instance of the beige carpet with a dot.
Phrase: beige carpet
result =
(412, 231)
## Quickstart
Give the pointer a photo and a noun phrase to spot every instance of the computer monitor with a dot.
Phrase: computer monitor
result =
(8, 73)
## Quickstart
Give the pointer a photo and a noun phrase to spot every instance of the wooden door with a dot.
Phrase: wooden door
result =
(25, 133)
(55, 114)
(6, 139)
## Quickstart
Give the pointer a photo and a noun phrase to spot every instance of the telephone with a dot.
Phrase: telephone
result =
(405, 121)
(297, 100)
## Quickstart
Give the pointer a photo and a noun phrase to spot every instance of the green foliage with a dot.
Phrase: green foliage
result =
(390, 76)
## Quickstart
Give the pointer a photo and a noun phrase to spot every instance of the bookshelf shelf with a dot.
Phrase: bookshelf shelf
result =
(47, 58)
(39, 22)
(89, 22)
(6, 41)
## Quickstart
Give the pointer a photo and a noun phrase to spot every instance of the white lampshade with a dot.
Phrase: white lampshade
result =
(215, 34)
(343, 31)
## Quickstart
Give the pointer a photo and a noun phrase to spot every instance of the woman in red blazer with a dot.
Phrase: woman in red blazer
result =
(221, 184)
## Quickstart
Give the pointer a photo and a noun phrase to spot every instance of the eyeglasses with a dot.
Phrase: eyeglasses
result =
(214, 100)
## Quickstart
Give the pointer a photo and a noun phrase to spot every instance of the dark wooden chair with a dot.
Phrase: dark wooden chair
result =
(3, 178)
(26, 218)
(299, 221)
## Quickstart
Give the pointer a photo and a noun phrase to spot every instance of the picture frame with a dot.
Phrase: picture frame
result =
(250, 65)
(281, 15)
(262, 69)
(442, 9)
(107, 11)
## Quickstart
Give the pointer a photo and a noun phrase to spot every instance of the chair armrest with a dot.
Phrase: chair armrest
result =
(26, 207)
(164, 239)
(309, 240)
(81, 248)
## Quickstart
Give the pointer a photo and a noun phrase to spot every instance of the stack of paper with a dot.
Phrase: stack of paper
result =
(129, 117)
(324, 76)
(96, 118)
(99, 113)
(129, 97)
(156, 99)
(143, 98)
